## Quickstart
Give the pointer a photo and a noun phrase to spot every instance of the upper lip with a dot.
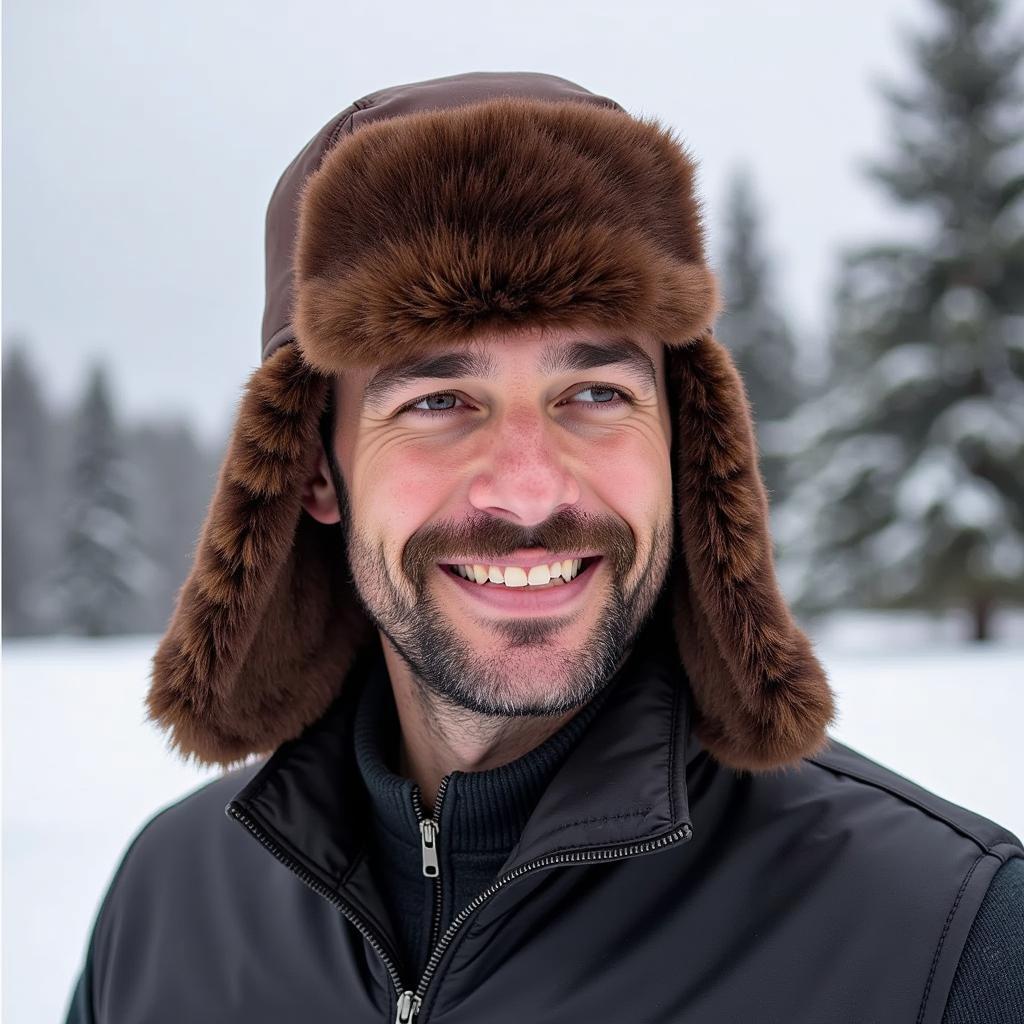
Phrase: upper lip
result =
(523, 561)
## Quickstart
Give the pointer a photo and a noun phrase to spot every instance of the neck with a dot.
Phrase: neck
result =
(437, 739)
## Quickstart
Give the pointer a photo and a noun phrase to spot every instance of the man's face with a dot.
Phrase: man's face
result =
(509, 453)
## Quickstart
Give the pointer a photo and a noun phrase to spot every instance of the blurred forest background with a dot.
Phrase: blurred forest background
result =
(895, 463)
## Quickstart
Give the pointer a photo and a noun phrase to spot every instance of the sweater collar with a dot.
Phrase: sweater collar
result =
(623, 782)
(485, 811)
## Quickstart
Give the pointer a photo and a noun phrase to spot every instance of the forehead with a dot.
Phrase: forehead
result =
(548, 353)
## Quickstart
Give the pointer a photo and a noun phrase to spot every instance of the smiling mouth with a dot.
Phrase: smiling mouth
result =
(519, 583)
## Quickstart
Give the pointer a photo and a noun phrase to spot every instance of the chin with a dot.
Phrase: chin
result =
(531, 683)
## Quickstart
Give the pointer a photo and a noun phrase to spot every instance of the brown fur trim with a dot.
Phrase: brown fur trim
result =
(424, 229)
(762, 697)
(264, 628)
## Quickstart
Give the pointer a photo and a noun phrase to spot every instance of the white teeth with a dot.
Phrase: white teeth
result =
(539, 576)
(515, 576)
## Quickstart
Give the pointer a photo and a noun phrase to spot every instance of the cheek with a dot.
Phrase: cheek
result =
(634, 489)
(632, 474)
(401, 490)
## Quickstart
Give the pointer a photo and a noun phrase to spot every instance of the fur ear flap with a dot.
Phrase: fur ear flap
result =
(762, 699)
(265, 627)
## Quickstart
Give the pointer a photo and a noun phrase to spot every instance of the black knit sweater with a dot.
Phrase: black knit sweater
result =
(483, 814)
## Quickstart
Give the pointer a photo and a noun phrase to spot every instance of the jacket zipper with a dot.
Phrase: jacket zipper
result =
(409, 1001)
(430, 828)
(318, 887)
(415, 999)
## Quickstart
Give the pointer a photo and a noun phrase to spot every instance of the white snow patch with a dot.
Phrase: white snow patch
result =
(964, 304)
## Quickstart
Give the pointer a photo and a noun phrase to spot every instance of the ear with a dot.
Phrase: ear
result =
(317, 492)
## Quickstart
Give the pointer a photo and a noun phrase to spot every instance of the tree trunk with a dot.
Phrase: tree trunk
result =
(981, 614)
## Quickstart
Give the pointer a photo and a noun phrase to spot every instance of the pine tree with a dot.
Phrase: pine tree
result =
(754, 328)
(30, 470)
(912, 466)
(103, 570)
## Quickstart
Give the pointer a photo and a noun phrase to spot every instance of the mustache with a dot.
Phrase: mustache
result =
(493, 538)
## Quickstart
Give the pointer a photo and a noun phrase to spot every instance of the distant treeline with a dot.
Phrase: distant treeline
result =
(99, 516)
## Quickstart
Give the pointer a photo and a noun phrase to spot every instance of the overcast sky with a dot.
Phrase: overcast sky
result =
(141, 143)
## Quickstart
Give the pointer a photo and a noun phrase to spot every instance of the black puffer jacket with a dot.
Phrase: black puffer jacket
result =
(651, 884)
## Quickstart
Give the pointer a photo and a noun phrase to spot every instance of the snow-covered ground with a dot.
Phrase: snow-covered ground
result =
(82, 772)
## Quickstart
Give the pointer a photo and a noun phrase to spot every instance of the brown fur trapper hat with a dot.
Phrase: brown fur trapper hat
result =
(418, 216)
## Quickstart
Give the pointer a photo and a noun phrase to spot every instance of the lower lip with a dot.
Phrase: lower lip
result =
(525, 599)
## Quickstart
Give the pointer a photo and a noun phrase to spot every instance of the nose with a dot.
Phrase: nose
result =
(526, 475)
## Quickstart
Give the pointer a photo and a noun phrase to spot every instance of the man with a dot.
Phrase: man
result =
(488, 574)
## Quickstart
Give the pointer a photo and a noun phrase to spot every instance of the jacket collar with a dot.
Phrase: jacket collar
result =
(625, 781)
(483, 812)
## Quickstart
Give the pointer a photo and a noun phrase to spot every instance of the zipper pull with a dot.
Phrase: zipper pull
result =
(428, 834)
(408, 1007)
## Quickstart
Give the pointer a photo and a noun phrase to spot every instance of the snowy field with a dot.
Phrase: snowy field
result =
(81, 771)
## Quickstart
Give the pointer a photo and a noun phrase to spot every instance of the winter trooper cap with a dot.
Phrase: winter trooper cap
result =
(421, 216)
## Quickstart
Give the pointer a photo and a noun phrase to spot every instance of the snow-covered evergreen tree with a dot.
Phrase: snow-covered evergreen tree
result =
(911, 466)
(103, 570)
(753, 327)
(30, 491)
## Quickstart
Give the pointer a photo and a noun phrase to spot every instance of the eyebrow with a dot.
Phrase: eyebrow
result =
(556, 358)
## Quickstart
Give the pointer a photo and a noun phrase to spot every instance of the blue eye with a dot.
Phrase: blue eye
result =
(432, 398)
(599, 390)
(436, 413)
